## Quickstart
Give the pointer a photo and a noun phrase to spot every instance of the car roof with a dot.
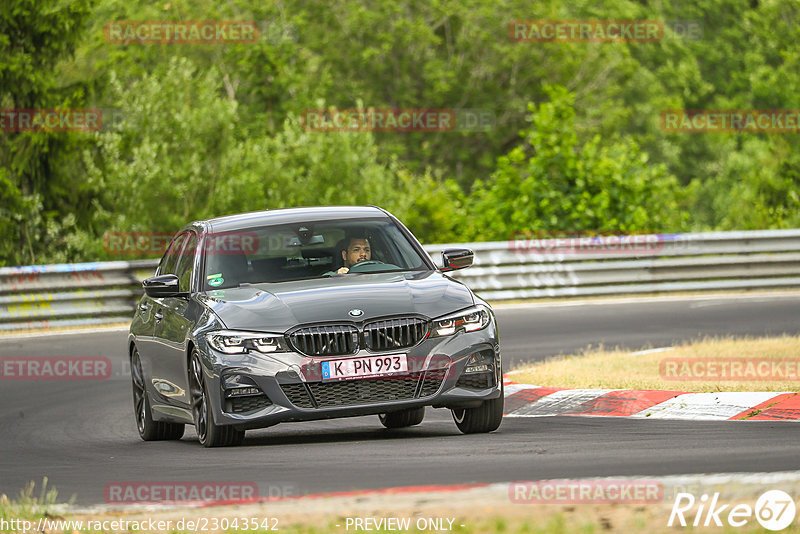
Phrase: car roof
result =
(290, 215)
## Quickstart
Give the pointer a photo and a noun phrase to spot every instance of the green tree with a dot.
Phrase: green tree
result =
(213, 129)
(552, 182)
(169, 161)
(39, 183)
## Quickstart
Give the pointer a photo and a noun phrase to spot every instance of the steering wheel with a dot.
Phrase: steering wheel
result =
(355, 267)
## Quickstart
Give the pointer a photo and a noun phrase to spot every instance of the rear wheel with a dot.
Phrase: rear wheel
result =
(149, 430)
(403, 418)
(485, 418)
(209, 433)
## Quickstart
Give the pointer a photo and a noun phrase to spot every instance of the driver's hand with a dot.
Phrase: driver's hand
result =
(343, 270)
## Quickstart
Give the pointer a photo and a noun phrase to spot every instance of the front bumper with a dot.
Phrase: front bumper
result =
(290, 388)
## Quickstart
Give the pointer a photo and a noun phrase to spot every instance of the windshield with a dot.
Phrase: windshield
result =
(299, 251)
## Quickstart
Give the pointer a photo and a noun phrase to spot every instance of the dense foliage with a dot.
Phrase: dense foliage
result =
(199, 130)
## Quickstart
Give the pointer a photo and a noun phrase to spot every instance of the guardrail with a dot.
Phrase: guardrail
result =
(42, 296)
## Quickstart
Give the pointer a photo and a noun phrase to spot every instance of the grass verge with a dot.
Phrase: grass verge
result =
(29, 506)
(616, 369)
(482, 510)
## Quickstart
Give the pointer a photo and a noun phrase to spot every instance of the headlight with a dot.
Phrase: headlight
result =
(470, 320)
(232, 342)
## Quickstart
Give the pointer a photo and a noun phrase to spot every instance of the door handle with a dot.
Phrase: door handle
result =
(158, 315)
(143, 306)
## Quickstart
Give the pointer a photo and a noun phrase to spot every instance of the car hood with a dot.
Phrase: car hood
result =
(278, 307)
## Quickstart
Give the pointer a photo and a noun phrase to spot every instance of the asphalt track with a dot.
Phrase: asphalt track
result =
(81, 435)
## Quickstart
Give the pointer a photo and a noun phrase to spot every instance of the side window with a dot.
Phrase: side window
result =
(402, 249)
(186, 263)
(169, 262)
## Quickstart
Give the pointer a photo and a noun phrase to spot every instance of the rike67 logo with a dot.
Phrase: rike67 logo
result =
(774, 510)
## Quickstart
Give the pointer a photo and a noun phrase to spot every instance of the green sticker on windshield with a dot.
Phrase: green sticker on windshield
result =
(210, 276)
(215, 282)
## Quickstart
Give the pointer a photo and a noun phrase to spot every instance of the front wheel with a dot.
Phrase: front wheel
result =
(149, 430)
(403, 418)
(208, 432)
(485, 418)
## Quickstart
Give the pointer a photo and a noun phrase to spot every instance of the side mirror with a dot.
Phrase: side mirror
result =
(456, 258)
(166, 285)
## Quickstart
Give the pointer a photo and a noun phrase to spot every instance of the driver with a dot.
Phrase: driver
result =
(356, 250)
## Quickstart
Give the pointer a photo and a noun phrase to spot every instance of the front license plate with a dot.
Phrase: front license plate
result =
(388, 364)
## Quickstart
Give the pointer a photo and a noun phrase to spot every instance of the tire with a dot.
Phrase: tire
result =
(403, 418)
(485, 418)
(149, 430)
(208, 432)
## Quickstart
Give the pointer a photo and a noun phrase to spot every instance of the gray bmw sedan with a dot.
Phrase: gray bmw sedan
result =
(303, 314)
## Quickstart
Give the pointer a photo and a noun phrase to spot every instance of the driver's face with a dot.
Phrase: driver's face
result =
(357, 251)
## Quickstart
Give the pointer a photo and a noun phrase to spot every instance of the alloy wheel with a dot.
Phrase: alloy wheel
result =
(199, 398)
